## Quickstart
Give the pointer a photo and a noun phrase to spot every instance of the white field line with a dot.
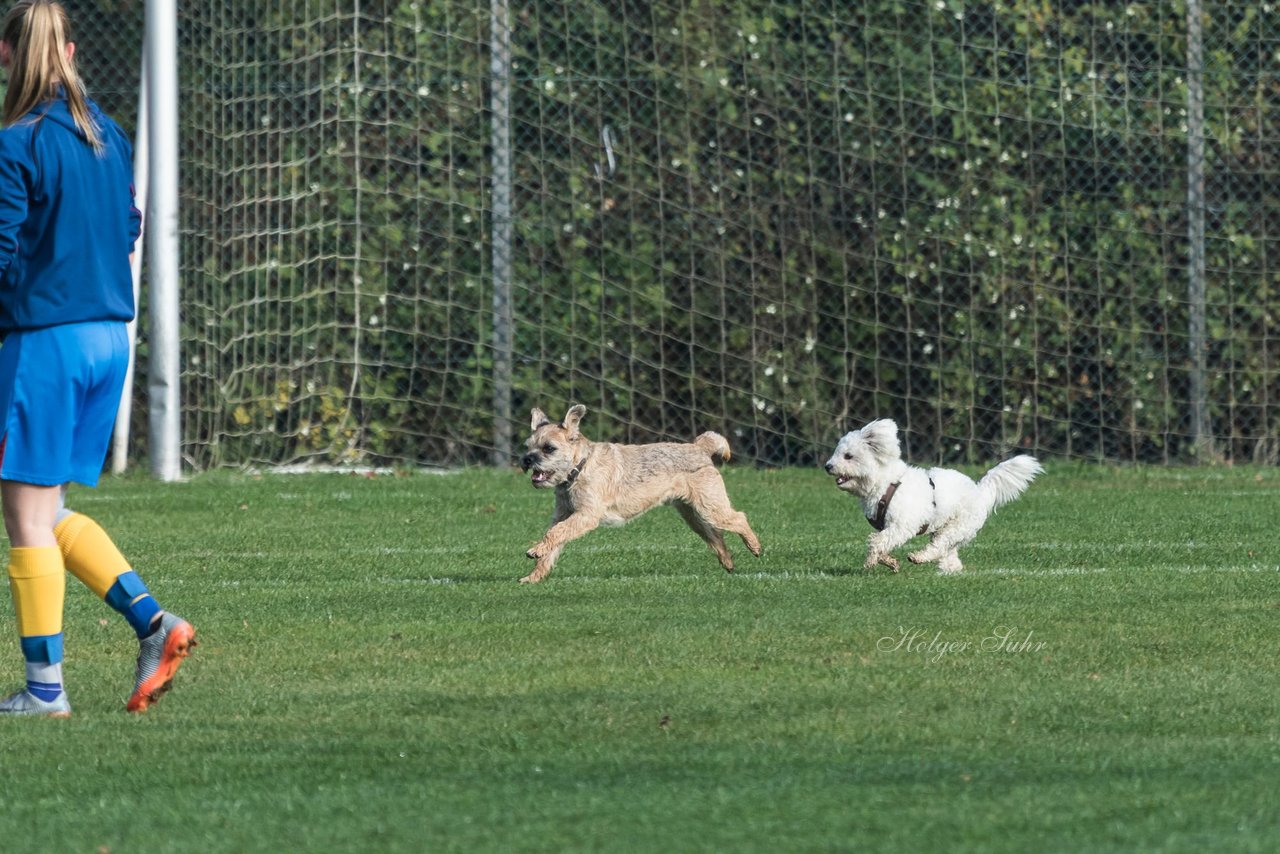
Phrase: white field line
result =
(1094, 570)
(291, 584)
(517, 551)
(1144, 545)
(345, 495)
(1020, 573)
(258, 583)
(517, 564)
(307, 468)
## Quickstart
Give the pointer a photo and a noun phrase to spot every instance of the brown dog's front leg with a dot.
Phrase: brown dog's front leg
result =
(563, 532)
(548, 548)
(542, 567)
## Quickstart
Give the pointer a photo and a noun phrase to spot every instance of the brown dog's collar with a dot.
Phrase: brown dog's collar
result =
(882, 507)
(574, 473)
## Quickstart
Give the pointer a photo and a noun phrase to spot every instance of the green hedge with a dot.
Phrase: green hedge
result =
(805, 215)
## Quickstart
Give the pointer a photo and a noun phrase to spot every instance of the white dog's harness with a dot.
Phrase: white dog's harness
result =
(882, 507)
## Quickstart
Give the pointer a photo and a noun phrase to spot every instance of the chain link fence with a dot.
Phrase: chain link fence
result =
(776, 220)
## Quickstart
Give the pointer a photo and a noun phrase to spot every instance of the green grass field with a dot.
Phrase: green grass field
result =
(372, 678)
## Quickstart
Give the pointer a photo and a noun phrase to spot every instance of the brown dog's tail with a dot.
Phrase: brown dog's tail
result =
(715, 446)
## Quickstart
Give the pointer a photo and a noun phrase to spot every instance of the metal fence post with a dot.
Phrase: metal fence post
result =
(1200, 429)
(500, 107)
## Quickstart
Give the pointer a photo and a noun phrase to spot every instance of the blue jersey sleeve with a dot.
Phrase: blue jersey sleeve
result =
(15, 181)
(135, 215)
(135, 220)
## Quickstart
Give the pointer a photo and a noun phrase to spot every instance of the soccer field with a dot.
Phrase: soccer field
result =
(372, 678)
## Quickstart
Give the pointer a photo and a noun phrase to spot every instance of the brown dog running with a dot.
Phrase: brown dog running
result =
(603, 483)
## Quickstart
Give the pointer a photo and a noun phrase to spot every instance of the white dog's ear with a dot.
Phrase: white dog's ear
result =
(882, 438)
(537, 418)
(572, 419)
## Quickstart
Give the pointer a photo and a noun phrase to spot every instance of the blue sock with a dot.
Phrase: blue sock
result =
(44, 665)
(47, 691)
(130, 598)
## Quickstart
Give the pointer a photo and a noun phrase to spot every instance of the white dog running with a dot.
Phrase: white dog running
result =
(902, 501)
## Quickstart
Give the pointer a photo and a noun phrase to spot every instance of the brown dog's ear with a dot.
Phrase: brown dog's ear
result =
(537, 418)
(572, 419)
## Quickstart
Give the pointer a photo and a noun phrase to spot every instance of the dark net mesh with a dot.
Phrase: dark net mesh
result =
(777, 220)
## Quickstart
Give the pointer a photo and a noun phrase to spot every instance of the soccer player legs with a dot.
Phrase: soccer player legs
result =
(68, 224)
(56, 433)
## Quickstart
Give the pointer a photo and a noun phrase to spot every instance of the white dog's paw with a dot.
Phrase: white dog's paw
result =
(917, 557)
(873, 560)
(950, 566)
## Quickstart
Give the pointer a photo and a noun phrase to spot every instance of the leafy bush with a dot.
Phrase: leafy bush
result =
(775, 220)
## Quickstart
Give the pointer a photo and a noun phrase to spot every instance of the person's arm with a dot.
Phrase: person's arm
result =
(14, 180)
(135, 222)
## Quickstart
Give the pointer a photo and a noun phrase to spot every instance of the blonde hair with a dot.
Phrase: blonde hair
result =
(37, 33)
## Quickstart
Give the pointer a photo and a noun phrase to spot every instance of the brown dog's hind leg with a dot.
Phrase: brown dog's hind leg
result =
(709, 499)
(738, 524)
(708, 532)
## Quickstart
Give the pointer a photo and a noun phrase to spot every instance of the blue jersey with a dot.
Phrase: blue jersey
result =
(67, 221)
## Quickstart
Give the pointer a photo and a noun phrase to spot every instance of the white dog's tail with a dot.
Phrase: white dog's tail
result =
(1008, 480)
(715, 446)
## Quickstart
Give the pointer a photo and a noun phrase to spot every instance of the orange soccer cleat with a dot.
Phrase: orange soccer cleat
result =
(159, 656)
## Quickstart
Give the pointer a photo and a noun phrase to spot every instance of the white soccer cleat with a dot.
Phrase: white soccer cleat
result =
(25, 703)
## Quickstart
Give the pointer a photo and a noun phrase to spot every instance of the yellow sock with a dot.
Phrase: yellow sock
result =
(39, 584)
(89, 553)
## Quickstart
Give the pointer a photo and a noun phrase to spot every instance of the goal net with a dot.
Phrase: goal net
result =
(777, 220)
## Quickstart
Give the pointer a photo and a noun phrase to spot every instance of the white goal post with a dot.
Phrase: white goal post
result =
(156, 155)
(162, 245)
